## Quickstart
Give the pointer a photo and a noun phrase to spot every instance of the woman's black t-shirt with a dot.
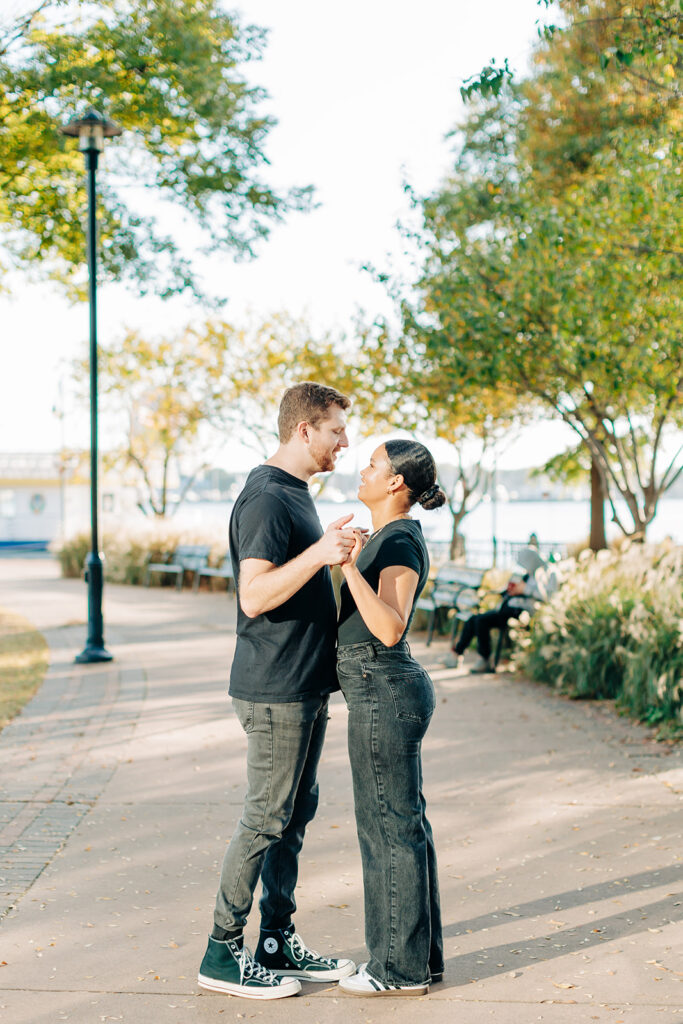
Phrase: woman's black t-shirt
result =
(398, 543)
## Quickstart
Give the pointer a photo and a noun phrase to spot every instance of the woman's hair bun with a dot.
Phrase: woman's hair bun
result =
(433, 497)
(416, 465)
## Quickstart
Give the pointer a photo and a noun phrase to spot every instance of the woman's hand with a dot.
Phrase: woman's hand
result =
(352, 557)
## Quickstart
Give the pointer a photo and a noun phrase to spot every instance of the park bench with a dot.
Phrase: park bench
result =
(185, 558)
(222, 571)
(456, 588)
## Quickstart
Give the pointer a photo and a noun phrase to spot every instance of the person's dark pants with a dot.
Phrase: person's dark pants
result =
(391, 700)
(284, 742)
(480, 625)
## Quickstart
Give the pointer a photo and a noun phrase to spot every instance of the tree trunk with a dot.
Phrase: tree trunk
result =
(457, 545)
(598, 540)
(457, 548)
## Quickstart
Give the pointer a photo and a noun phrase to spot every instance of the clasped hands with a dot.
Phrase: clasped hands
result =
(342, 546)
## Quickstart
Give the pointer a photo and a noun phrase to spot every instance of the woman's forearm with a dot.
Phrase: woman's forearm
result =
(382, 620)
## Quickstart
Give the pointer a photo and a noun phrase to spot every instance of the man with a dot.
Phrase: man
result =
(282, 675)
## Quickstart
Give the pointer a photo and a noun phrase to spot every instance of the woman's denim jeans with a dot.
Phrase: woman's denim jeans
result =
(391, 700)
(284, 743)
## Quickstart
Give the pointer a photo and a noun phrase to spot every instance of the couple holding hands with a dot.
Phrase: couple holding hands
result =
(291, 654)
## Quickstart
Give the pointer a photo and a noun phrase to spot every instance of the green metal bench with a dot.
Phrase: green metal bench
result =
(456, 588)
(185, 558)
(222, 571)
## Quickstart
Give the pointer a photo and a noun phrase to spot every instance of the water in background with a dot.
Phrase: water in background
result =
(555, 523)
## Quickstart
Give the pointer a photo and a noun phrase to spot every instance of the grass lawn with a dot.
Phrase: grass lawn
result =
(23, 663)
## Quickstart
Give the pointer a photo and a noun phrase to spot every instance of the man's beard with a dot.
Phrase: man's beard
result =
(323, 458)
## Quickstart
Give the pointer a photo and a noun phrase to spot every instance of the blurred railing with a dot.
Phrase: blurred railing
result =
(480, 554)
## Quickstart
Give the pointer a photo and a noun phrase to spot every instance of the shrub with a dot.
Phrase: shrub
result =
(127, 552)
(615, 629)
(71, 554)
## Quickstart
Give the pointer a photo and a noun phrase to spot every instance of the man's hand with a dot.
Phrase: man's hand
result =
(339, 523)
(334, 546)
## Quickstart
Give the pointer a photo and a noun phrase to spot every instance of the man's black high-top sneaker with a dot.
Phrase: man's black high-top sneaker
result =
(229, 967)
(284, 953)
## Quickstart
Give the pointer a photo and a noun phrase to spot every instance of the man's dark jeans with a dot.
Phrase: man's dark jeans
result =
(391, 700)
(283, 751)
(481, 624)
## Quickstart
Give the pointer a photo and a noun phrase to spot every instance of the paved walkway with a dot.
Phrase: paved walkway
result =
(558, 826)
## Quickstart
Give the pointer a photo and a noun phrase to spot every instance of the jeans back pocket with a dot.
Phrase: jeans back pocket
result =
(413, 695)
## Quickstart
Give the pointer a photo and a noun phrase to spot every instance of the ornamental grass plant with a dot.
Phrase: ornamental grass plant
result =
(128, 551)
(614, 630)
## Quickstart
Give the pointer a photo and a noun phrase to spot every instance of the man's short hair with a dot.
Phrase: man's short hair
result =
(309, 402)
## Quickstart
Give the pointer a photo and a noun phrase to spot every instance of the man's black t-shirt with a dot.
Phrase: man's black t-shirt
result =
(286, 654)
(399, 543)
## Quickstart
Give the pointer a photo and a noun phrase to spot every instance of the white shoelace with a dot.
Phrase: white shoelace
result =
(300, 951)
(250, 968)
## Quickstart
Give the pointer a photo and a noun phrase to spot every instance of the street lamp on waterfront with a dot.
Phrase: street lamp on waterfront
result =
(91, 130)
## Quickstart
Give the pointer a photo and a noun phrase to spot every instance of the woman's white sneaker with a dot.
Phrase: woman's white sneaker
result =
(364, 984)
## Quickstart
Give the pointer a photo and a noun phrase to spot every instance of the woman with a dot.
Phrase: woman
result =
(391, 699)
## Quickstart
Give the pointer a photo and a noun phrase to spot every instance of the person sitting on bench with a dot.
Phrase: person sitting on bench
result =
(520, 595)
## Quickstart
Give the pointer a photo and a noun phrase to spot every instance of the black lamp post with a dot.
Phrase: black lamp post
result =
(91, 131)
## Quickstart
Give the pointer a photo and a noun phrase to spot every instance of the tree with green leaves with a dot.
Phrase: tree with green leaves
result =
(173, 74)
(640, 40)
(164, 395)
(169, 396)
(386, 394)
(573, 116)
(572, 300)
(552, 258)
(276, 353)
(394, 388)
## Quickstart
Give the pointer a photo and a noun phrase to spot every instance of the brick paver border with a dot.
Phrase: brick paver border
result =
(57, 756)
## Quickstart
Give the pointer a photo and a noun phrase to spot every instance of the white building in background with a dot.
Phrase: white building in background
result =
(40, 494)
(45, 496)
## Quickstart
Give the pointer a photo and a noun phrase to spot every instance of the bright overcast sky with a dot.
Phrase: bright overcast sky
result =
(364, 93)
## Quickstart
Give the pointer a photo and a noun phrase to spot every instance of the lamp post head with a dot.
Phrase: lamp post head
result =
(91, 130)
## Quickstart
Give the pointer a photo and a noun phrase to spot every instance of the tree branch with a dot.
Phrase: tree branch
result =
(666, 483)
(148, 483)
(21, 26)
(634, 444)
(190, 480)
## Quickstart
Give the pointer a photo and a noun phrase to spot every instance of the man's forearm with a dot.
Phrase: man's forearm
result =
(270, 589)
